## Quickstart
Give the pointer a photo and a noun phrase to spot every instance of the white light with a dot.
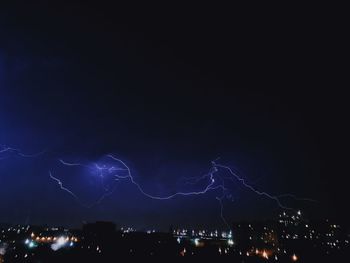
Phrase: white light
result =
(196, 241)
(61, 242)
(294, 257)
(264, 254)
(3, 249)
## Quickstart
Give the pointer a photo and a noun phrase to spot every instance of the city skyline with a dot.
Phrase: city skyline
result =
(290, 237)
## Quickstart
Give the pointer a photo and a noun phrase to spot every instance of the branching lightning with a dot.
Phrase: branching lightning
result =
(59, 182)
(213, 182)
(117, 170)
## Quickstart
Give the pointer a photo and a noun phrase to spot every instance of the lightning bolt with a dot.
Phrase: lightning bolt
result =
(214, 182)
(248, 186)
(209, 187)
(64, 188)
(70, 192)
(10, 150)
(94, 168)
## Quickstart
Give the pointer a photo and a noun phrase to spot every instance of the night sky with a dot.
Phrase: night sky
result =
(166, 89)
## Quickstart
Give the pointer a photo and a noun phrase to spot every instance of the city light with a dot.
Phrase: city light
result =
(267, 241)
(196, 242)
(264, 255)
(294, 257)
(31, 244)
(61, 242)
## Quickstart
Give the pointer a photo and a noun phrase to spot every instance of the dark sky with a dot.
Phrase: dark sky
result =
(167, 89)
